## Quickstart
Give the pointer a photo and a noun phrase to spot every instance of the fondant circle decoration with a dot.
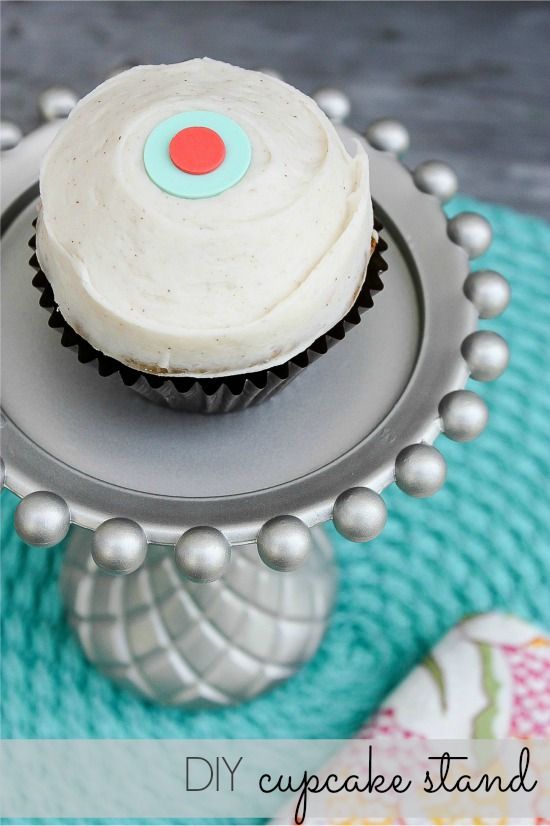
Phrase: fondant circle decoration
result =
(197, 154)
(197, 150)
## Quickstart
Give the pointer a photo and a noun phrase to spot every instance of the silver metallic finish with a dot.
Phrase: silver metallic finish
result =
(463, 414)
(119, 546)
(436, 178)
(392, 372)
(334, 103)
(42, 519)
(488, 291)
(10, 135)
(472, 232)
(420, 470)
(486, 354)
(57, 102)
(202, 554)
(389, 135)
(2, 473)
(359, 514)
(185, 644)
(284, 543)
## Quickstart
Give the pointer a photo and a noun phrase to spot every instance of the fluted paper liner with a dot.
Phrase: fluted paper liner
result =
(214, 395)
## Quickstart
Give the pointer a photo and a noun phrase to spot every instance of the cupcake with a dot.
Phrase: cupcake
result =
(203, 231)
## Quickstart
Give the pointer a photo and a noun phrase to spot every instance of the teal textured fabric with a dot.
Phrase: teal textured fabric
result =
(482, 542)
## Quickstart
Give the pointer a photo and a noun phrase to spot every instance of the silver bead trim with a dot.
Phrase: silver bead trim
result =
(420, 470)
(487, 355)
(359, 514)
(202, 554)
(463, 414)
(334, 103)
(488, 291)
(388, 135)
(57, 102)
(42, 519)
(436, 178)
(10, 135)
(119, 546)
(472, 232)
(284, 543)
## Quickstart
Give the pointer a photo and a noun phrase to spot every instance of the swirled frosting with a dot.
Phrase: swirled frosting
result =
(210, 286)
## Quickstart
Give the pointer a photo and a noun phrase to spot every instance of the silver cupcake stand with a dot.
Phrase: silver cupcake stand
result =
(195, 572)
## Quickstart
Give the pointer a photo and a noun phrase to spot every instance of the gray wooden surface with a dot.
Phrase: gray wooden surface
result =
(470, 80)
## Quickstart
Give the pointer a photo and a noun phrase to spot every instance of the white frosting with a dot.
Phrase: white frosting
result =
(210, 287)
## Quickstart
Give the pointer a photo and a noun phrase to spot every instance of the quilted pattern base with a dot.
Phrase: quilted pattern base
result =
(181, 643)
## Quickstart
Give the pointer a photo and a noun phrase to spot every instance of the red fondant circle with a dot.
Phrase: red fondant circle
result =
(197, 150)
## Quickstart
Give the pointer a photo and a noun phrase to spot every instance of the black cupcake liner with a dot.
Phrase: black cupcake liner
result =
(217, 395)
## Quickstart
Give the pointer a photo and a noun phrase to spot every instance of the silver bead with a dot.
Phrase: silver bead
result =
(42, 519)
(119, 546)
(10, 135)
(436, 178)
(488, 291)
(203, 554)
(389, 135)
(284, 543)
(472, 232)
(486, 354)
(463, 415)
(2, 473)
(57, 102)
(334, 103)
(420, 470)
(266, 70)
(359, 514)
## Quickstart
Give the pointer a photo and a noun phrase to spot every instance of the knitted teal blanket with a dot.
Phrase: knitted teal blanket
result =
(482, 543)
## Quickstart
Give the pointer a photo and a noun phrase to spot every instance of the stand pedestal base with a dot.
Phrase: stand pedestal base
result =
(181, 643)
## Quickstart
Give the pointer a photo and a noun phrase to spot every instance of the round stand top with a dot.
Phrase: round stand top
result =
(342, 423)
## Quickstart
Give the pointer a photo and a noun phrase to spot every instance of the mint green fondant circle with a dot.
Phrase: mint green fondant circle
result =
(161, 170)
